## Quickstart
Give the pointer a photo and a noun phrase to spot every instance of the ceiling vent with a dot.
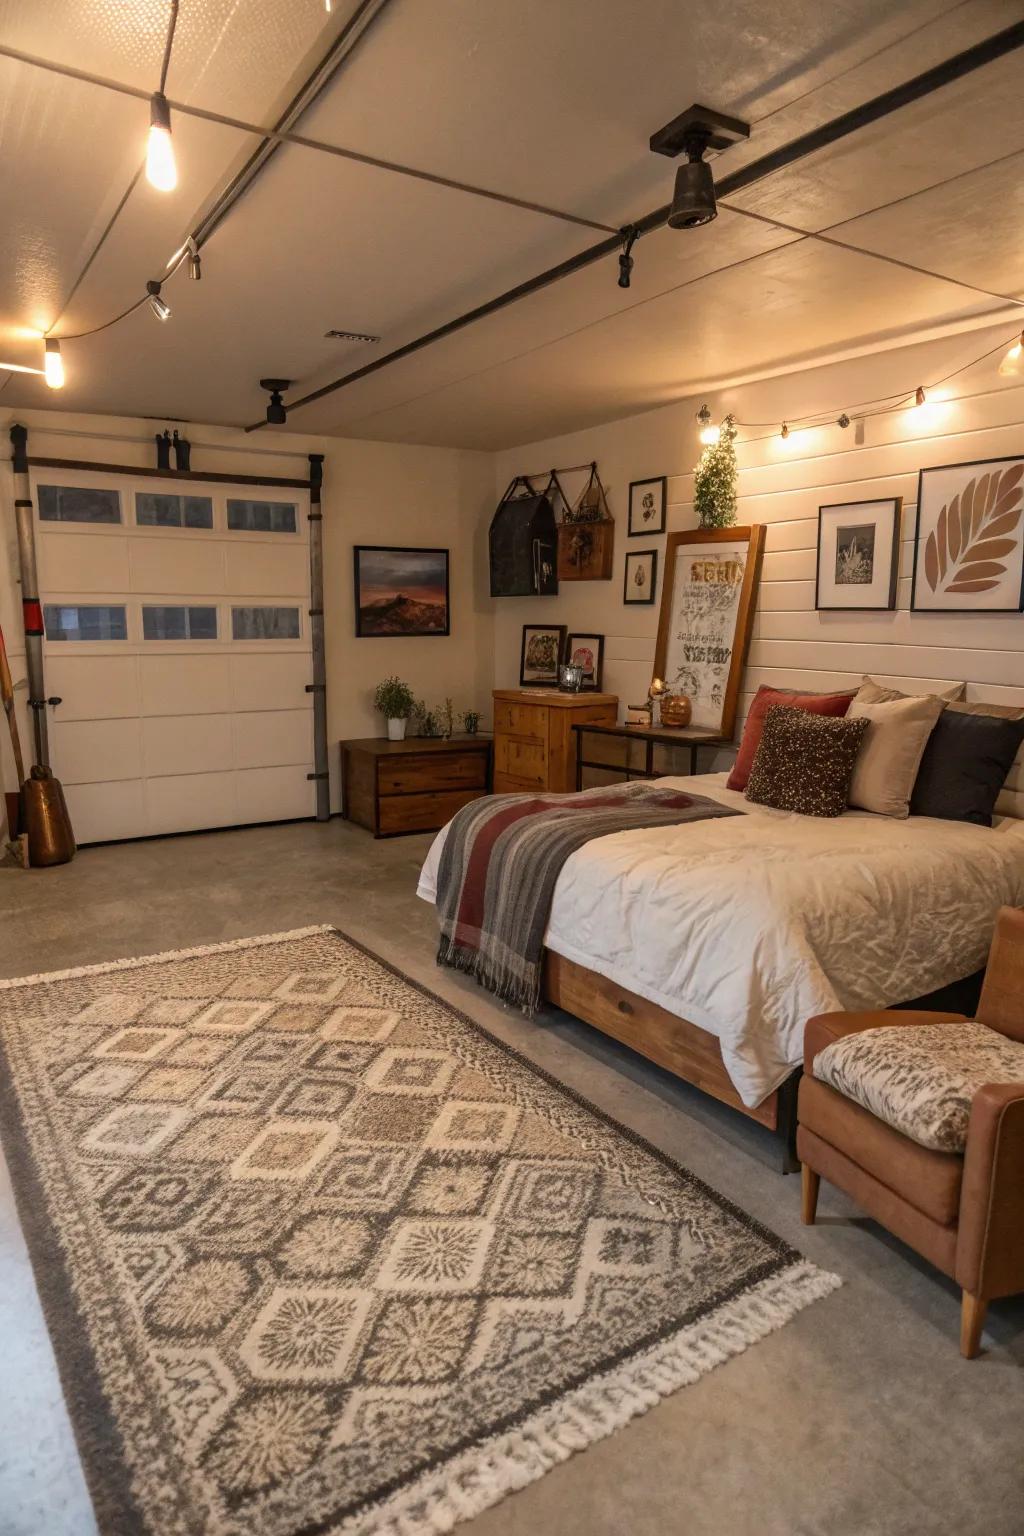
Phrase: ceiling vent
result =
(349, 336)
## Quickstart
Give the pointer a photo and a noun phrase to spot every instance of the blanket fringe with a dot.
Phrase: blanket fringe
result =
(501, 980)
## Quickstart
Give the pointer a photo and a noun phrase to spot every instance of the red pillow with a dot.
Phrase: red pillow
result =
(813, 703)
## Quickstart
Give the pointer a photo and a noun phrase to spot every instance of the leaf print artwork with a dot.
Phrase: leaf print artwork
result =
(974, 534)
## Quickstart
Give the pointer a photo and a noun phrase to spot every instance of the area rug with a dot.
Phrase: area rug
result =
(318, 1254)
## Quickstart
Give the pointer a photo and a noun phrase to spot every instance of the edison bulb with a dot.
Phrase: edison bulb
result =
(161, 170)
(53, 365)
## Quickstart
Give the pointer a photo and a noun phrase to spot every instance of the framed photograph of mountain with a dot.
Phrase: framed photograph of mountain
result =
(858, 555)
(401, 591)
(969, 540)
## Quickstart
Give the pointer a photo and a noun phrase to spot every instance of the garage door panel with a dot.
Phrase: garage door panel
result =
(92, 687)
(195, 800)
(82, 562)
(95, 751)
(273, 738)
(256, 569)
(186, 744)
(180, 567)
(274, 794)
(262, 680)
(185, 685)
(105, 812)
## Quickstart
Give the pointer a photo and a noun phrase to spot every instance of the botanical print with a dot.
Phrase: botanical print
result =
(647, 506)
(702, 624)
(855, 554)
(382, 1314)
(541, 653)
(401, 591)
(970, 539)
(641, 574)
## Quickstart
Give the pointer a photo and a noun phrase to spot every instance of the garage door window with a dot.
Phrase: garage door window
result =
(262, 516)
(78, 504)
(156, 509)
(264, 623)
(178, 623)
(84, 622)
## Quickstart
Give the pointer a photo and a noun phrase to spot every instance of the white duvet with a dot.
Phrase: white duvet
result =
(748, 925)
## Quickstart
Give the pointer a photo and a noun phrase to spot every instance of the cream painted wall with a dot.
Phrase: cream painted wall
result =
(782, 485)
(374, 493)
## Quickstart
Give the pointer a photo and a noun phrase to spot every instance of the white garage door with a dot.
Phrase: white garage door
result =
(177, 637)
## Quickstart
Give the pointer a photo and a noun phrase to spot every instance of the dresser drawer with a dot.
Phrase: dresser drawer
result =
(529, 720)
(408, 775)
(523, 760)
(423, 813)
(506, 784)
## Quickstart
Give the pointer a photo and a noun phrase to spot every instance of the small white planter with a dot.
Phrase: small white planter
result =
(396, 730)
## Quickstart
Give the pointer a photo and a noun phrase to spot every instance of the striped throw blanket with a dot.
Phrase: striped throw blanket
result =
(501, 858)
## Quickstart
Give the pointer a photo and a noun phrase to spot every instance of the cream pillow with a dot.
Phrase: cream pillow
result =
(891, 752)
(871, 692)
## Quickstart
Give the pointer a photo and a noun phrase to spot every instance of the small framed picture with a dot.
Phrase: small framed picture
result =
(647, 506)
(541, 655)
(858, 555)
(969, 540)
(641, 577)
(401, 591)
(587, 651)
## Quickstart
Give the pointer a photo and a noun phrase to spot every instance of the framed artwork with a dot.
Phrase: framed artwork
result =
(401, 591)
(858, 555)
(641, 576)
(541, 654)
(647, 506)
(707, 616)
(587, 651)
(969, 538)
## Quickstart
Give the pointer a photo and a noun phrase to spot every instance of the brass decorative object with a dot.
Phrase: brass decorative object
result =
(676, 709)
(46, 820)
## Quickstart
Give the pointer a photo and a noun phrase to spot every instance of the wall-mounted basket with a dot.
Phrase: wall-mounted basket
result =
(586, 536)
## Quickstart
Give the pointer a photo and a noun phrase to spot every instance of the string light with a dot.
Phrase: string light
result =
(919, 396)
(709, 433)
(159, 306)
(843, 421)
(53, 364)
(785, 431)
(1013, 362)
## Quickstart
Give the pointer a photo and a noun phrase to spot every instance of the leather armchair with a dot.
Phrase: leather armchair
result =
(963, 1213)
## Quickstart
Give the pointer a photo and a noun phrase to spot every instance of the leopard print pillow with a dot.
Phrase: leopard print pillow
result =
(805, 762)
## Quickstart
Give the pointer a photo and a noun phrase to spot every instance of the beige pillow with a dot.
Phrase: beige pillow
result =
(891, 752)
(871, 692)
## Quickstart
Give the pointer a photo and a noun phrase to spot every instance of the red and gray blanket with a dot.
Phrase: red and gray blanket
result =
(501, 858)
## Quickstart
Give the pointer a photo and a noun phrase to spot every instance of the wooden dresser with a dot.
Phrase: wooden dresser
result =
(534, 743)
(414, 785)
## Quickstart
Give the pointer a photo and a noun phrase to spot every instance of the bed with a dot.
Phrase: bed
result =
(707, 946)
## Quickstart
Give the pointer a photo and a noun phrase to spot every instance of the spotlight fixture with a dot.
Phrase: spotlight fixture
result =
(843, 421)
(693, 133)
(709, 433)
(195, 271)
(1013, 362)
(920, 396)
(53, 364)
(277, 414)
(159, 306)
(625, 258)
(161, 170)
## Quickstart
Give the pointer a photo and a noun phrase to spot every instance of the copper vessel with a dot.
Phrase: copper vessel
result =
(44, 816)
(676, 709)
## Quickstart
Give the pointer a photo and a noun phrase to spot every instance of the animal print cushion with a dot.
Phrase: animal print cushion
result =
(805, 762)
(921, 1078)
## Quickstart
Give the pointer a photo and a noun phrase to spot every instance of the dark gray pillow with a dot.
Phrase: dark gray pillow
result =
(964, 767)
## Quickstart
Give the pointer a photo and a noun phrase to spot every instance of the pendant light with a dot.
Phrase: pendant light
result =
(53, 364)
(161, 170)
(277, 413)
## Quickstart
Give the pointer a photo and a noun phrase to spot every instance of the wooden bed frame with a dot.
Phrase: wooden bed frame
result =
(690, 1052)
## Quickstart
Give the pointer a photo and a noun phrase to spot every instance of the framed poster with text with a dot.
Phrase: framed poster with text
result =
(708, 597)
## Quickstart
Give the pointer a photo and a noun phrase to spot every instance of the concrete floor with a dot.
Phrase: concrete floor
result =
(858, 1419)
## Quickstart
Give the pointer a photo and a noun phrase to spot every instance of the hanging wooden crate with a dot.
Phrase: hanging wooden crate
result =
(586, 536)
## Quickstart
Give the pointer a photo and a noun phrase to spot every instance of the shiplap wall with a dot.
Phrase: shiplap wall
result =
(782, 484)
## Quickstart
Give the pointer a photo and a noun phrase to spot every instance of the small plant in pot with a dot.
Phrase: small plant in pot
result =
(471, 721)
(395, 701)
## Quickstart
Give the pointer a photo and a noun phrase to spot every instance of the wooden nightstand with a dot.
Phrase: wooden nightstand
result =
(411, 786)
(534, 744)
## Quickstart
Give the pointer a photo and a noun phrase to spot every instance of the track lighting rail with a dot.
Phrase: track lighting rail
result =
(954, 68)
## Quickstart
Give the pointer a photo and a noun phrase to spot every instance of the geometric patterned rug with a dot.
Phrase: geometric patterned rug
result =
(319, 1255)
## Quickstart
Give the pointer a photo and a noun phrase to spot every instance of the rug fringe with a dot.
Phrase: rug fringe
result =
(480, 1478)
(135, 961)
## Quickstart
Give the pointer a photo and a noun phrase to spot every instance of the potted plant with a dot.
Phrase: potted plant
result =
(471, 721)
(395, 701)
(714, 480)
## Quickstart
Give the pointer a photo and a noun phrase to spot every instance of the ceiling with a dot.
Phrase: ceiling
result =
(550, 104)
